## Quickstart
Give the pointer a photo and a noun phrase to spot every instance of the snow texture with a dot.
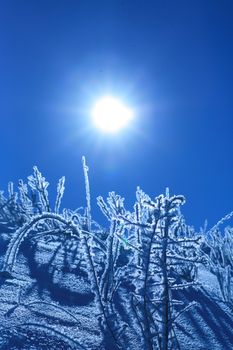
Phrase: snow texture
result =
(147, 281)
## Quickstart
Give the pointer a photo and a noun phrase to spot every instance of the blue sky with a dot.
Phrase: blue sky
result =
(170, 60)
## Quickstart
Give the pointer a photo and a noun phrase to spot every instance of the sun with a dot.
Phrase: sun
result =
(111, 115)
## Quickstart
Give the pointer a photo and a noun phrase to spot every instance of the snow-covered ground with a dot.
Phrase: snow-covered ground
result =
(148, 281)
(38, 313)
(41, 314)
(208, 324)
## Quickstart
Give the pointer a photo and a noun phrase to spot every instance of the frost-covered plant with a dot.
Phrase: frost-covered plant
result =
(30, 199)
(102, 255)
(218, 256)
(44, 223)
(161, 248)
(136, 267)
(34, 224)
(11, 212)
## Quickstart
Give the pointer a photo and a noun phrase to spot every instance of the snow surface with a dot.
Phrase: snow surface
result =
(207, 325)
(65, 284)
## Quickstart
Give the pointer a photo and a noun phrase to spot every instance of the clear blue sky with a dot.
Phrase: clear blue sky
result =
(171, 60)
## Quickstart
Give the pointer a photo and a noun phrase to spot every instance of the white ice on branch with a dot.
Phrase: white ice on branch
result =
(140, 268)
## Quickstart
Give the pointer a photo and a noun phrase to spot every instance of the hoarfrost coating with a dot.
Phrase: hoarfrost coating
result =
(147, 281)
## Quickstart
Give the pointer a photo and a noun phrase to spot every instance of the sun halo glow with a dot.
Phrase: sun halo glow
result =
(110, 114)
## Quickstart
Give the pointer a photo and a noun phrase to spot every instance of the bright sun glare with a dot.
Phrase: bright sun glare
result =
(110, 114)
